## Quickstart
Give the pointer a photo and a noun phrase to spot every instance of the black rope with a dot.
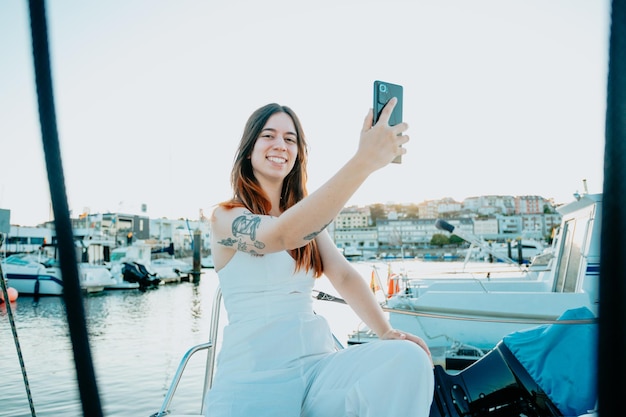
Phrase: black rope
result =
(16, 340)
(612, 333)
(67, 257)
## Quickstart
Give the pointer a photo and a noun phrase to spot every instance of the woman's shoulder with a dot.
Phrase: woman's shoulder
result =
(227, 209)
(224, 218)
(221, 224)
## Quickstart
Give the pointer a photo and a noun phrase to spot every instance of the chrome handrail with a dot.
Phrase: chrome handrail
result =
(209, 346)
(210, 359)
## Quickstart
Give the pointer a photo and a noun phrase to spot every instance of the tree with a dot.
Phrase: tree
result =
(439, 239)
(455, 240)
(412, 211)
(377, 211)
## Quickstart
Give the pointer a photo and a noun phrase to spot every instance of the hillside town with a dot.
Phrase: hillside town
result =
(373, 231)
(409, 230)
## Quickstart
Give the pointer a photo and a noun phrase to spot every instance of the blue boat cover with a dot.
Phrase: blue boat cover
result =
(562, 360)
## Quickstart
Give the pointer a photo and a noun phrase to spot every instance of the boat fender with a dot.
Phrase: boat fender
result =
(11, 293)
(394, 285)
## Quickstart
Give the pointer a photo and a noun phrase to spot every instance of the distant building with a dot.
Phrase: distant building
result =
(363, 239)
(448, 205)
(486, 228)
(533, 226)
(551, 222)
(509, 225)
(490, 204)
(413, 232)
(180, 232)
(428, 209)
(353, 217)
(118, 227)
(530, 204)
(25, 239)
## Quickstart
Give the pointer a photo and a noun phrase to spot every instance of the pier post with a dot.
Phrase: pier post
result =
(197, 246)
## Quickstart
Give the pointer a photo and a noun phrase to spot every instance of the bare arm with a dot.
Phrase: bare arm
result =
(378, 146)
(351, 286)
(354, 290)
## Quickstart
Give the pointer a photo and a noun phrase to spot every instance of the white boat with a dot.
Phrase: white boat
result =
(128, 267)
(36, 274)
(481, 310)
(94, 278)
(527, 248)
(170, 268)
(133, 267)
(119, 283)
(351, 252)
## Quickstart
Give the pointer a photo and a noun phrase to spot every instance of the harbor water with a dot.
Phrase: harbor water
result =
(137, 341)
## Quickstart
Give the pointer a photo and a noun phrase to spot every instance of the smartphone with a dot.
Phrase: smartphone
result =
(383, 92)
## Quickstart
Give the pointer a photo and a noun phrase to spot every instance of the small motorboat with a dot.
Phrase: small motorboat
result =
(38, 274)
(134, 272)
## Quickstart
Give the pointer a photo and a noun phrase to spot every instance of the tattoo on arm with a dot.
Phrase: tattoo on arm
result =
(313, 235)
(227, 242)
(245, 225)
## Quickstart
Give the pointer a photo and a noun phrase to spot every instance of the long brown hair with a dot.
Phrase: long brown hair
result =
(248, 193)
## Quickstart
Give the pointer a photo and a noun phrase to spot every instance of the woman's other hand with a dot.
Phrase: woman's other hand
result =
(393, 334)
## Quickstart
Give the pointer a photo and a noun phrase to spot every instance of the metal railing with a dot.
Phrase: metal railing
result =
(210, 346)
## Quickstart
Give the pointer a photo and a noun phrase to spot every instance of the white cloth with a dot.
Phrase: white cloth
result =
(278, 358)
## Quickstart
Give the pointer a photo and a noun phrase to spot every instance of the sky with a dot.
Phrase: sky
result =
(502, 97)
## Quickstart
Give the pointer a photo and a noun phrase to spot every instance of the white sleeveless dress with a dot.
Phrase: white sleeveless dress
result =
(278, 358)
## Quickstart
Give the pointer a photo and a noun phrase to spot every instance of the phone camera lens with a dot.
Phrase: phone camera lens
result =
(382, 88)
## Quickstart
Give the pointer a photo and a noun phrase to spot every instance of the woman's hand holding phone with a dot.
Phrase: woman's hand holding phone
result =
(381, 143)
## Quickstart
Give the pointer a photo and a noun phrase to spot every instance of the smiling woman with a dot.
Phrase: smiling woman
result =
(270, 239)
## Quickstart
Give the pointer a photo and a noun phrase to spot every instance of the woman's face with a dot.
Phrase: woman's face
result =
(276, 149)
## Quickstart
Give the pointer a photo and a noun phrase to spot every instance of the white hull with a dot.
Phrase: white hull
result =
(122, 285)
(32, 285)
(30, 277)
